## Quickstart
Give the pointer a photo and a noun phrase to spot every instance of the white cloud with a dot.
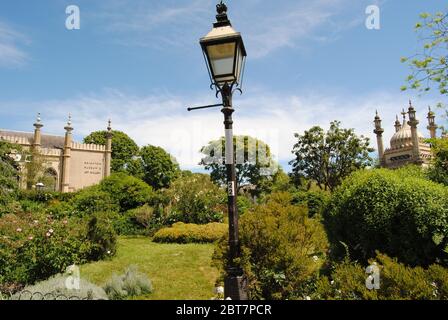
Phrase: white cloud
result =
(10, 53)
(163, 120)
(265, 27)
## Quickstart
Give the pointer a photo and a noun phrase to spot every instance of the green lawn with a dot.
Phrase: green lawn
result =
(176, 271)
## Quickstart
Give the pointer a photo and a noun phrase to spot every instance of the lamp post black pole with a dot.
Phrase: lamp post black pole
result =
(234, 286)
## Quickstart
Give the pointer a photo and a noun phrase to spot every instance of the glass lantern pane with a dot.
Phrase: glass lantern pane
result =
(239, 64)
(222, 58)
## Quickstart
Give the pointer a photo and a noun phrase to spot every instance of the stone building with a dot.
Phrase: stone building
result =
(70, 165)
(407, 145)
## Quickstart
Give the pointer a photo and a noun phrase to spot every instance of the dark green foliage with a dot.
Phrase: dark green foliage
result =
(129, 192)
(159, 167)
(315, 201)
(396, 212)
(36, 246)
(191, 233)
(257, 168)
(91, 200)
(195, 199)
(124, 149)
(329, 157)
(282, 249)
(438, 170)
(397, 282)
(8, 175)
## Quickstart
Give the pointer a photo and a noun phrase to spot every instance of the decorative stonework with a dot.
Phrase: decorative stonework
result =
(407, 145)
(74, 165)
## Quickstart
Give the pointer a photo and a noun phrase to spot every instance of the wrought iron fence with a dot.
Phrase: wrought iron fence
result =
(28, 295)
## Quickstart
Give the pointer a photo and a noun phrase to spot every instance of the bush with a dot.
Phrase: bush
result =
(195, 199)
(438, 171)
(55, 289)
(91, 200)
(282, 249)
(395, 212)
(315, 201)
(130, 284)
(129, 192)
(191, 233)
(397, 282)
(34, 247)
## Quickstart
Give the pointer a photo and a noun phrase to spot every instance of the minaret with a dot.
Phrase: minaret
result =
(66, 156)
(37, 134)
(413, 123)
(108, 157)
(397, 124)
(432, 127)
(379, 138)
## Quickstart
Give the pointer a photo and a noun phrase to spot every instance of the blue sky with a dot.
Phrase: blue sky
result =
(138, 62)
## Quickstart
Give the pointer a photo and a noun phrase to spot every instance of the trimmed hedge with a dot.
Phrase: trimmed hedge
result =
(395, 212)
(191, 233)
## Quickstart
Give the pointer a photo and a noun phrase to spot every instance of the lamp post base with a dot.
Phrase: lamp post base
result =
(235, 287)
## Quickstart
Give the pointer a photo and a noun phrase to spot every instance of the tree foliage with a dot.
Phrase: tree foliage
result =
(329, 157)
(438, 170)
(430, 66)
(8, 173)
(282, 249)
(124, 149)
(399, 213)
(254, 162)
(159, 167)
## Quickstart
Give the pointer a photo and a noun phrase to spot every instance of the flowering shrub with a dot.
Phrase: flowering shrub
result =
(194, 198)
(191, 233)
(36, 246)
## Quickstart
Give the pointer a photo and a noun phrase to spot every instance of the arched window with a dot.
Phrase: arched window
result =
(51, 179)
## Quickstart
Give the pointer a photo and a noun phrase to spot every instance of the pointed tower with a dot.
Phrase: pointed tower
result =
(379, 138)
(108, 158)
(37, 133)
(66, 156)
(432, 127)
(413, 123)
(397, 124)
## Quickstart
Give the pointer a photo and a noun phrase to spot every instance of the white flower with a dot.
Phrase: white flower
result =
(315, 258)
(434, 284)
(19, 229)
(108, 251)
(48, 234)
(219, 290)
(51, 231)
(332, 282)
(307, 298)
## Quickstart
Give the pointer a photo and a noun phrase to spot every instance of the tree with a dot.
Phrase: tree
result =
(159, 167)
(124, 149)
(8, 173)
(254, 163)
(431, 65)
(438, 171)
(329, 157)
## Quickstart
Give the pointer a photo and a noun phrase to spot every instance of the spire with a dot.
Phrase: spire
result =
(69, 127)
(404, 113)
(397, 124)
(38, 124)
(109, 125)
(432, 127)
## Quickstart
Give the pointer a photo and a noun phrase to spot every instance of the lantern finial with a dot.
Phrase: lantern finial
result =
(221, 17)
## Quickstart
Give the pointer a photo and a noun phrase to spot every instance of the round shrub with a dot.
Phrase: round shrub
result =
(395, 212)
(91, 200)
(282, 249)
(191, 233)
(195, 199)
(129, 192)
(314, 200)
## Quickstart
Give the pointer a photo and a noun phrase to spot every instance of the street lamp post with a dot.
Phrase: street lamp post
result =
(225, 54)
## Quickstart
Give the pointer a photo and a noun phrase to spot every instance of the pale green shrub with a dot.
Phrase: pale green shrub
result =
(130, 284)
